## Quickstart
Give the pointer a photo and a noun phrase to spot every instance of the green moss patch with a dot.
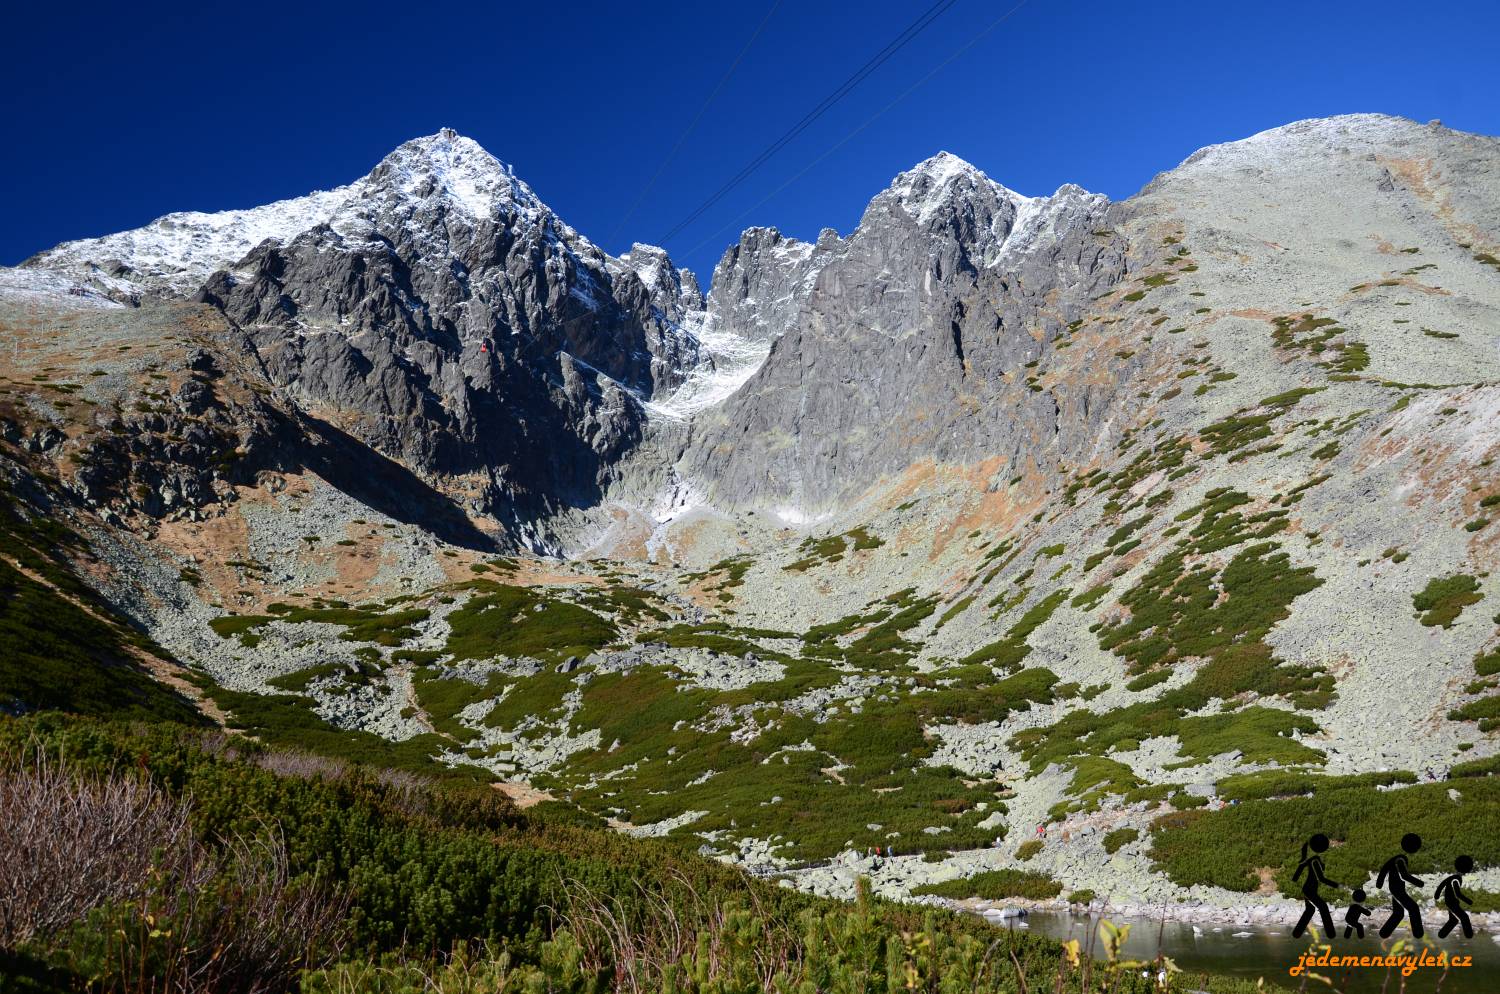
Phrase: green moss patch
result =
(822, 551)
(504, 620)
(1443, 599)
(61, 645)
(1194, 605)
(996, 885)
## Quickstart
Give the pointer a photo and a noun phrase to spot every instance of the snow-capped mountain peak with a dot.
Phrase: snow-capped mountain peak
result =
(174, 254)
(924, 189)
(946, 194)
(456, 168)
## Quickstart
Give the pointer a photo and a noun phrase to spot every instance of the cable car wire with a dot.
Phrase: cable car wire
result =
(867, 122)
(876, 61)
(651, 183)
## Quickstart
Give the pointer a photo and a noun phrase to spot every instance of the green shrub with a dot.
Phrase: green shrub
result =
(1224, 847)
(1089, 599)
(62, 646)
(1443, 599)
(995, 885)
(436, 871)
(504, 620)
(1149, 679)
(1009, 652)
(1486, 711)
(1187, 605)
(1293, 783)
(1477, 767)
(237, 624)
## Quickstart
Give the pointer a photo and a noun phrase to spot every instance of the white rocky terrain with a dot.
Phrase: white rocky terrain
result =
(1164, 523)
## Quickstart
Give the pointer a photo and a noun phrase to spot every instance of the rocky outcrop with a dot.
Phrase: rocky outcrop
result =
(179, 451)
(907, 340)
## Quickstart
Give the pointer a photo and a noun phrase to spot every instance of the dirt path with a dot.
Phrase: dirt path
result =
(523, 795)
(171, 675)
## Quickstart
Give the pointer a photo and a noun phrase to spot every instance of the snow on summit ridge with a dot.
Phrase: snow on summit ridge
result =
(927, 186)
(177, 252)
(458, 168)
(1016, 223)
(1301, 144)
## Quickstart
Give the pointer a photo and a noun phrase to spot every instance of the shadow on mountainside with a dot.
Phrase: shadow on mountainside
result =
(385, 485)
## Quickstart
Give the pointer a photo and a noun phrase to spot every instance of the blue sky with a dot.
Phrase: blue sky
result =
(119, 113)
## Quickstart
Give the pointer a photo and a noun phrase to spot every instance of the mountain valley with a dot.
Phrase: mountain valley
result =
(1162, 523)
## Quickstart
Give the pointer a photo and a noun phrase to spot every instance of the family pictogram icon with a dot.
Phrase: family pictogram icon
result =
(1395, 875)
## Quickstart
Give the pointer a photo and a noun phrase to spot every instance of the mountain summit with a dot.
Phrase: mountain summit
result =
(442, 172)
(456, 170)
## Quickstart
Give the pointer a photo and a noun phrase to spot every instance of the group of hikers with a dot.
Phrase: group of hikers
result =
(1394, 876)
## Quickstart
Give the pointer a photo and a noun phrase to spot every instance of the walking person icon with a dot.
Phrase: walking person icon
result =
(1450, 894)
(1357, 910)
(1313, 866)
(1396, 872)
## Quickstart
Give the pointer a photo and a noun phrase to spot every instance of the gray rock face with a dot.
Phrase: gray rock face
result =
(184, 452)
(467, 336)
(761, 282)
(906, 344)
(759, 287)
(438, 311)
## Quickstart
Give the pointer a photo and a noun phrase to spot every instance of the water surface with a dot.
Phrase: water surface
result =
(1268, 950)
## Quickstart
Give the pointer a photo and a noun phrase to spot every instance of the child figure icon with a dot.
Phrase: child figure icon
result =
(1450, 894)
(1357, 910)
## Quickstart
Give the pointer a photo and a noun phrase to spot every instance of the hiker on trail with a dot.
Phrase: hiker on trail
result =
(1450, 894)
(1041, 830)
(1357, 910)
(1313, 867)
(1401, 902)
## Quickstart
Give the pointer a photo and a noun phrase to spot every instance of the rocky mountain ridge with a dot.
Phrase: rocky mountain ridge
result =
(440, 293)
